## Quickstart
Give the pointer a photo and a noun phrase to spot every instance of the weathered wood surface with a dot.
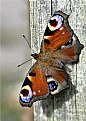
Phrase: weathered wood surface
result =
(69, 105)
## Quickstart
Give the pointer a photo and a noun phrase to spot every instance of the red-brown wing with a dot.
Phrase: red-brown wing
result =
(57, 80)
(39, 85)
(70, 51)
(34, 88)
(57, 33)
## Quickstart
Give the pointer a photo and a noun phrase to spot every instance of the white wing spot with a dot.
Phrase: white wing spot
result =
(63, 33)
(61, 28)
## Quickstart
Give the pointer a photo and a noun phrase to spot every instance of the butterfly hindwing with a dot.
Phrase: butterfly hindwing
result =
(57, 80)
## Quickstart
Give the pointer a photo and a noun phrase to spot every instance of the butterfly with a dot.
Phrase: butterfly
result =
(59, 46)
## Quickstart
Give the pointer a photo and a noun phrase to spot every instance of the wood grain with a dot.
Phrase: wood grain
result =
(69, 105)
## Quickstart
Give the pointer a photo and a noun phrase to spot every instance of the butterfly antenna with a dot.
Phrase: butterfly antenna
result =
(27, 42)
(24, 62)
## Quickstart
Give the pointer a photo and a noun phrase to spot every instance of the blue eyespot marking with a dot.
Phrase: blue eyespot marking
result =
(52, 85)
(26, 95)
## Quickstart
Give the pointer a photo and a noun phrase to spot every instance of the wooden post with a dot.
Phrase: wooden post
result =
(69, 105)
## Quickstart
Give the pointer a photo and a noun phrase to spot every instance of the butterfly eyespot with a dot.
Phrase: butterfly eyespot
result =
(53, 22)
(32, 74)
(53, 85)
(70, 42)
(26, 94)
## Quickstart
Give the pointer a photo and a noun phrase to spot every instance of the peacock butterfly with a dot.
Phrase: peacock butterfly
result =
(59, 46)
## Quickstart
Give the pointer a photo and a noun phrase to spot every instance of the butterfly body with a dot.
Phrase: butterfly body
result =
(47, 76)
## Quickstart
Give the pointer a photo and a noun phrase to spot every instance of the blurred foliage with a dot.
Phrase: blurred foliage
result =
(14, 50)
(9, 107)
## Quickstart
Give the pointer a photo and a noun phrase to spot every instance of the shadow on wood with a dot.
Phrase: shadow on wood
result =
(57, 100)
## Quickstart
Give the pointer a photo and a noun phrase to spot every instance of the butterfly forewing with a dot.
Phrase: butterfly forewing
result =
(56, 36)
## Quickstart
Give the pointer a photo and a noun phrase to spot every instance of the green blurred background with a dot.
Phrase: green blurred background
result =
(14, 50)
